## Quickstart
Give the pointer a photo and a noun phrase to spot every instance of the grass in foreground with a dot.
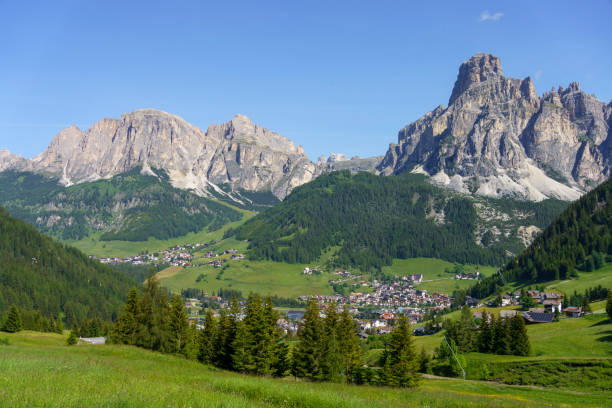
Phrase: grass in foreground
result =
(38, 370)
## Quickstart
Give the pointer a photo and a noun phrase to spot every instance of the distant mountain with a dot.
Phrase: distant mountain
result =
(37, 273)
(579, 239)
(366, 221)
(498, 138)
(238, 154)
(131, 206)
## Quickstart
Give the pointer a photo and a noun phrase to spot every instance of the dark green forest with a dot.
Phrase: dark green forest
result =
(37, 273)
(371, 220)
(577, 240)
(129, 206)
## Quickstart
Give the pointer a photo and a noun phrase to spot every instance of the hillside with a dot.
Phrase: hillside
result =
(132, 206)
(37, 273)
(576, 243)
(39, 370)
(366, 221)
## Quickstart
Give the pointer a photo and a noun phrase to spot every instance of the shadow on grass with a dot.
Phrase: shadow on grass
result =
(602, 323)
(605, 338)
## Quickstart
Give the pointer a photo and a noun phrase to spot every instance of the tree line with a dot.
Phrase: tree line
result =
(247, 340)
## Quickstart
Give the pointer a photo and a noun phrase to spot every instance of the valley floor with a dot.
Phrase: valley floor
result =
(38, 370)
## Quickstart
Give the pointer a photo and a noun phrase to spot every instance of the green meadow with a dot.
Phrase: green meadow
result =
(38, 370)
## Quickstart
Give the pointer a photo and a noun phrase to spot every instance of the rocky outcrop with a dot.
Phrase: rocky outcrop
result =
(497, 137)
(339, 161)
(238, 153)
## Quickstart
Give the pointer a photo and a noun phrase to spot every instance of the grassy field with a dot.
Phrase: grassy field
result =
(264, 277)
(435, 279)
(602, 276)
(38, 370)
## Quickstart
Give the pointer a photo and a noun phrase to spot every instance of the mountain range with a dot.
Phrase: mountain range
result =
(496, 138)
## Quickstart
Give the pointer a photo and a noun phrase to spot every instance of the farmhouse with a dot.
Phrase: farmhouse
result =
(573, 311)
(532, 317)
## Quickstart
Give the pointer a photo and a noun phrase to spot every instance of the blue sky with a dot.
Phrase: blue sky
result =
(332, 76)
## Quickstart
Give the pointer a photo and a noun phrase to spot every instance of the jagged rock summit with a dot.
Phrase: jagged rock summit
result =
(238, 153)
(498, 138)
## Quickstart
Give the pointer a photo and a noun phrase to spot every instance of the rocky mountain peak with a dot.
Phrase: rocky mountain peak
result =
(497, 138)
(477, 69)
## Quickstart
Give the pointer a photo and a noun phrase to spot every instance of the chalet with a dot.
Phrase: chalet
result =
(307, 271)
(573, 311)
(506, 300)
(237, 257)
(552, 305)
(534, 294)
(533, 318)
(93, 340)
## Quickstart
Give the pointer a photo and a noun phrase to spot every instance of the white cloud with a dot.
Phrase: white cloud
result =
(538, 74)
(486, 16)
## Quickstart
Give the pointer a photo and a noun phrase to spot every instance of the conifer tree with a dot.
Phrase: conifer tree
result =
(332, 365)
(178, 323)
(519, 339)
(126, 328)
(423, 360)
(485, 336)
(241, 346)
(72, 337)
(349, 345)
(206, 352)
(59, 326)
(401, 363)
(282, 359)
(13, 321)
(501, 336)
(308, 353)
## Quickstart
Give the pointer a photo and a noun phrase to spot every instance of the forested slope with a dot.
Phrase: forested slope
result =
(37, 273)
(369, 220)
(579, 239)
(130, 206)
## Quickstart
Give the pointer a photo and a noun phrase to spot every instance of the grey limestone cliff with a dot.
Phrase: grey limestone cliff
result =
(497, 137)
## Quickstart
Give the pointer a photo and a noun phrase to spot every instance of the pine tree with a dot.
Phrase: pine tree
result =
(401, 363)
(308, 353)
(349, 345)
(179, 324)
(241, 358)
(206, 352)
(59, 326)
(13, 321)
(126, 328)
(72, 337)
(485, 336)
(519, 339)
(332, 364)
(423, 360)
(281, 361)
(501, 336)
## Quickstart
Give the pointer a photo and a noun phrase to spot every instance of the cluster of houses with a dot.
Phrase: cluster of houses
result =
(217, 263)
(178, 255)
(310, 271)
(468, 275)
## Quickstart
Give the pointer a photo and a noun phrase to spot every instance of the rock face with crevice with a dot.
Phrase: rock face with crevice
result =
(498, 138)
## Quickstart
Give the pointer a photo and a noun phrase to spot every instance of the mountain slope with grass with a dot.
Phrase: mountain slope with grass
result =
(40, 371)
(133, 206)
(575, 244)
(37, 273)
(368, 220)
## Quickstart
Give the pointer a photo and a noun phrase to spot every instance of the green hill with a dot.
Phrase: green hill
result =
(127, 207)
(40, 371)
(577, 243)
(37, 273)
(369, 220)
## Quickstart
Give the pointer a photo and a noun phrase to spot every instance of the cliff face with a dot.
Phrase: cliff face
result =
(238, 153)
(497, 137)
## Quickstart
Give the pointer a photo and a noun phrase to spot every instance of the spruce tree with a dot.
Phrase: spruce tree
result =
(349, 345)
(282, 360)
(332, 365)
(501, 336)
(126, 328)
(308, 353)
(241, 358)
(519, 339)
(401, 363)
(59, 326)
(485, 336)
(179, 325)
(72, 337)
(13, 322)
(207, 337)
